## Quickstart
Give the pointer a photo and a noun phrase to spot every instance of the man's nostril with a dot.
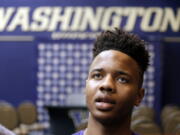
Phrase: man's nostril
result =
(106, 89)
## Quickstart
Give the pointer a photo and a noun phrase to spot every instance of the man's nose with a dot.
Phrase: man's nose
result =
(108, 84)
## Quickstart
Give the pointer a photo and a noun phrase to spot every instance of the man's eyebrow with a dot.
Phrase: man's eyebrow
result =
(119, 72)
(97, 70)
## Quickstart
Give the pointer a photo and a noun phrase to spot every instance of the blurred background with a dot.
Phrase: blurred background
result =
(45, 52)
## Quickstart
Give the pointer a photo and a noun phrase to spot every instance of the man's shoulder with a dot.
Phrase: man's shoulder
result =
(135, 133)
(5, 131)
(82, 132)
(79, 133)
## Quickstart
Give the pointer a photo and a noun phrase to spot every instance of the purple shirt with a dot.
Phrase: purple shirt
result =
(5, 131)
(82, 132)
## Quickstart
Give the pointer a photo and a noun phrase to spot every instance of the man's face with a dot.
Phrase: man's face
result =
(112, 87)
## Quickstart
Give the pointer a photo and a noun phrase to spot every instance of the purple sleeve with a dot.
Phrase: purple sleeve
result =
(79, 133)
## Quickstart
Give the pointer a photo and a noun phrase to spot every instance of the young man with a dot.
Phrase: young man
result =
(114, 83)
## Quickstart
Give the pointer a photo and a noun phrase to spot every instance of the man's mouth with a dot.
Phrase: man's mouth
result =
(104, 103)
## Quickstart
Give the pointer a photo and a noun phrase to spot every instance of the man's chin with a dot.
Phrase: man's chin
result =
(105, 118)
(109, 117)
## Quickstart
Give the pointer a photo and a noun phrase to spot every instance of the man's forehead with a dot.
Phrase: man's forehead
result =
(111, 58)
(111, 55)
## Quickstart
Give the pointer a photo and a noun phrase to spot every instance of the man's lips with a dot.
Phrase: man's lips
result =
(104, 103)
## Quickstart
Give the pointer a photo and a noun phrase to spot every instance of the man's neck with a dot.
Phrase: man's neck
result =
(98, 128)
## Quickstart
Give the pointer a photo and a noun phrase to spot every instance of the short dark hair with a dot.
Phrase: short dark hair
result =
(125, 42)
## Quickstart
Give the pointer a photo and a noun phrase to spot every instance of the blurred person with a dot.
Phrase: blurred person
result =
(114, 83)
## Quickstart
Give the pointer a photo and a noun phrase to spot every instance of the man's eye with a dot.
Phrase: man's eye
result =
(123, 80)
(97, 76)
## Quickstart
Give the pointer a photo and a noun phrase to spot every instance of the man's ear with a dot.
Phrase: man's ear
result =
(139, 96)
